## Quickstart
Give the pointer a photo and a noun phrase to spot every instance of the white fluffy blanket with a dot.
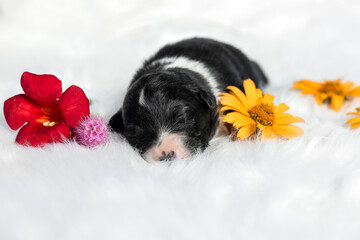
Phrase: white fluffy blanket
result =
(305, 188)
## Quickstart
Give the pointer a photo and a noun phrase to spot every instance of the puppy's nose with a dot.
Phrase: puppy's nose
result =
(169, 147)
(167, 156)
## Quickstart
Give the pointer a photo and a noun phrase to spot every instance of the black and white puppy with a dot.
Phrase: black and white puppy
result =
(170, 110)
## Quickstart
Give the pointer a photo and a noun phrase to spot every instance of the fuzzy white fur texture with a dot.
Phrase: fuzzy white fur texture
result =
(305, 188)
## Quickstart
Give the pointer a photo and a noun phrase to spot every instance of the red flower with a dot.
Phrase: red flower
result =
(49, 113)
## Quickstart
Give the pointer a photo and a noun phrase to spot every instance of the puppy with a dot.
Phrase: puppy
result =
(170, 109)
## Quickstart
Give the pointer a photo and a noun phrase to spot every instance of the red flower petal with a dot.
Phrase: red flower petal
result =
(74, 105)
(42, 89)
(36, 135)
(20, 109)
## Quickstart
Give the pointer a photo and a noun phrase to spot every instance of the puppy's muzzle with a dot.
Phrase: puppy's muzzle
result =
(168, 147)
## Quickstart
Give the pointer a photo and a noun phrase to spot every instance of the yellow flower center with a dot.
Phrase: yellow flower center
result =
(331, 87)
(263, 114)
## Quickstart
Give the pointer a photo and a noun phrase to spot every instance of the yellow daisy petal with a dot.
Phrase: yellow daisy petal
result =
(268, 99)
(239, 94)
(354, 113)
(336, 102)
(355, 91)
(307, 86)
(347, 85)
(227, 108)
(309, 82)
(230, 102)
(308, 90)
(250, 90)
(320, 97)
(267, 133)
(246, 131)
(259, 93)
(353, 120)
(282, 107)
(355, 125)
(288, 131)
(237, 119)
(286, 118)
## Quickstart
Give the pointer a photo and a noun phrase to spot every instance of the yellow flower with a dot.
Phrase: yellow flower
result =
(254, 111)
(334, 92)
(354, 122)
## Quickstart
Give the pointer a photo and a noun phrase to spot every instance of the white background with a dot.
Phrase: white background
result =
(306, 188)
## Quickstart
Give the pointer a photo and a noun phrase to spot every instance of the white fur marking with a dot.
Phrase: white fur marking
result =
(142, 98)
(193, 65)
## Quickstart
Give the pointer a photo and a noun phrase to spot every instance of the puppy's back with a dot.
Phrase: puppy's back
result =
(227, 64)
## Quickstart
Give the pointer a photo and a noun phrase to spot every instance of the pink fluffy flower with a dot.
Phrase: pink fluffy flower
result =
(92, 132)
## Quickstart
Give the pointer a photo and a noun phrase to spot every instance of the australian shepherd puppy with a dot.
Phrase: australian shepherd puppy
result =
(170, 109)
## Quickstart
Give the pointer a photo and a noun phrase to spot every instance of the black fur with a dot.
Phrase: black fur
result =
(181, 99)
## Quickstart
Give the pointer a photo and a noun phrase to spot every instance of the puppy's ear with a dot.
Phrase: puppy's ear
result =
(116, 122)
(208, 98)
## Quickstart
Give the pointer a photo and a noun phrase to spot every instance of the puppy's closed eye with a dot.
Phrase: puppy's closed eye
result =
(181, 114)
(180, 118)
(133, 131)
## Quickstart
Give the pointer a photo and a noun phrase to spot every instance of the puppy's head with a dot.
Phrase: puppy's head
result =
(167, 115)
